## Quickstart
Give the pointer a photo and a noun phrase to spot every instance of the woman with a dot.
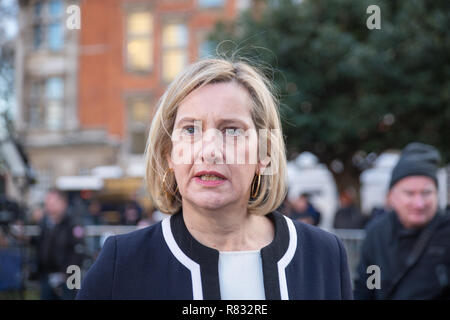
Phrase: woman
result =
(216, 161)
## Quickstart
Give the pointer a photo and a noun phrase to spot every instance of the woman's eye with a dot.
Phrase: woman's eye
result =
(233, 131)
(189, 130)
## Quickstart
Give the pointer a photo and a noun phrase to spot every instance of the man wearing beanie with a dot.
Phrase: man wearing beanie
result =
(406, 253)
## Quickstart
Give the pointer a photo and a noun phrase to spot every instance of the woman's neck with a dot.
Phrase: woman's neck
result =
(228, 228)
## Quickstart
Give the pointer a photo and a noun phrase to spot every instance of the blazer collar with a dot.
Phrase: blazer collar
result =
(275, 257)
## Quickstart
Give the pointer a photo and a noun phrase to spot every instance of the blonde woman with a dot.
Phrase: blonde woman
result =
(216, 162)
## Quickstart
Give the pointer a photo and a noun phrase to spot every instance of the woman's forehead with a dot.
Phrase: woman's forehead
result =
(220, 100)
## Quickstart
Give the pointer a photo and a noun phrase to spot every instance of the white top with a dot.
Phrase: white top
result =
(241, 275)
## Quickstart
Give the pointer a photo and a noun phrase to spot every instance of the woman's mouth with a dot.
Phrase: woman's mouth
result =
(209, 180)
(210, 177)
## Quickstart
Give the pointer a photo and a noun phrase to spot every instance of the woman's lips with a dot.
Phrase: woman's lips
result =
(209, 183)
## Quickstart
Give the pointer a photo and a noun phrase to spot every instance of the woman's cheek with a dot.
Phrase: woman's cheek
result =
(182, 153)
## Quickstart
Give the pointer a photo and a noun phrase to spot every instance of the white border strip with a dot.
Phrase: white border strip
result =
(193, 266)
(286, 259)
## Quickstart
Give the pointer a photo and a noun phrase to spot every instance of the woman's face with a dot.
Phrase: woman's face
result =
(214, 147)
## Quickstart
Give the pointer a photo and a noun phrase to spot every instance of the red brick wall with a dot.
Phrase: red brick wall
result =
(103, 81)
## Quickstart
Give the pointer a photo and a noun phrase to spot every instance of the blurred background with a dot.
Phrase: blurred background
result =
(80, 79)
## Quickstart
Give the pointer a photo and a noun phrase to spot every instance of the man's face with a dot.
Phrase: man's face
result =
(415, 200)
(301, 204)
(55, 206)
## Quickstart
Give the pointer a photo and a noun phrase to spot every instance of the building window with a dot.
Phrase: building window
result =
(55, 8)
(48, 28)
(174, 55)
(44, 182)
(206, 49)
(139, 37)
(37, 36)
(46, 104)
(211, 3)
(55, 36)
(139, 118)
(54, 98)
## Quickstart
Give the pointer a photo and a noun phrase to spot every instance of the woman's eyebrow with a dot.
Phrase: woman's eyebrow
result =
(221, 121)
(233, 121)
(187, 119)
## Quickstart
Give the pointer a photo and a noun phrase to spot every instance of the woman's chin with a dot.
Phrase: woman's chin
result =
(210, 201)
(211, 205)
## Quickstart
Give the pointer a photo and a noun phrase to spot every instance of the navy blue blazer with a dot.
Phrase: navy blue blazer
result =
(164, 261)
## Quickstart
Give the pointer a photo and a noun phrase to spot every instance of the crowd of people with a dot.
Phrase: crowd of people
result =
(410, 241)
(61, 239)
(348, 215)
(410, 244)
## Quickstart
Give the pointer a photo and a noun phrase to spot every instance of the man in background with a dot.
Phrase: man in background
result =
(59, 245)
(303, 210)
(348, 215)
(410, 245)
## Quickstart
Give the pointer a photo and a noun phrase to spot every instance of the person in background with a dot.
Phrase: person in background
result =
(93, 217)
(302, 210)
(132, 212)
(409, 245)
(59, 245)
(94, 213)
(147, 219)
(286, 206)
(376, 213)
(37, 214)
(348, 215)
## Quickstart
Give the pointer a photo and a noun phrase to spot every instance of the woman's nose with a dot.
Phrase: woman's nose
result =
(212, 147)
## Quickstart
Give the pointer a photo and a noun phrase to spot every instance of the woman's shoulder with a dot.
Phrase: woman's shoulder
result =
(312, 237)
(134, 247)
(304, 228)
(141, 236)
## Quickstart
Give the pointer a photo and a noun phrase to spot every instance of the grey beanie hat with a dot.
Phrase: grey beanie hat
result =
(416, 159)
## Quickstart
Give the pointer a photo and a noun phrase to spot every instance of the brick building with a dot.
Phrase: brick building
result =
(85, 97)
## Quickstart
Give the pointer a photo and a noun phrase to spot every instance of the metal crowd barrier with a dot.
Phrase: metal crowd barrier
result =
(352, 240)
(90, 230)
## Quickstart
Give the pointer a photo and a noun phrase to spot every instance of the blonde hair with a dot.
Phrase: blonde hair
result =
(161, 183)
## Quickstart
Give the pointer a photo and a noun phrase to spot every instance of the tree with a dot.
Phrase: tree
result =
(348, 93)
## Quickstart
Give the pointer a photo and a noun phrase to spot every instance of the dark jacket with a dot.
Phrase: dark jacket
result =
(58, 246)
(309, 212)
(389, 245)
(348, 218)
(164, 261)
